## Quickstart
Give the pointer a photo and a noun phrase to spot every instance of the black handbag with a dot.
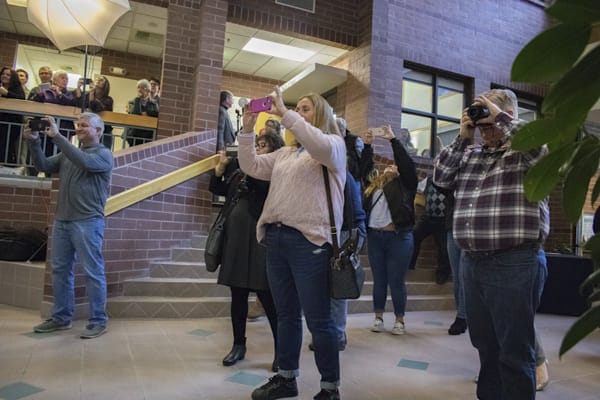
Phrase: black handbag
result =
(346, 275)
(213, 249)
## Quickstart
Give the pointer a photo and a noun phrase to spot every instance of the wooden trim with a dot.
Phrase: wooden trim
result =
(40, 109)
(147, 189)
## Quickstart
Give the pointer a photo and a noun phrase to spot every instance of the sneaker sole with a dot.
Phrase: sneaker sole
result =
(84, 336)
(60, 328)
(398, 333)
(377, 330)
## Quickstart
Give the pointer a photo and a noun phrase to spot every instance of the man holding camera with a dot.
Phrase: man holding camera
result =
(500, 233)
(84, 183)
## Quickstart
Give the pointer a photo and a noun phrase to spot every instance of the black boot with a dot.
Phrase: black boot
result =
(458, 326)
(238, 351)
(278, 387)
(325, 394)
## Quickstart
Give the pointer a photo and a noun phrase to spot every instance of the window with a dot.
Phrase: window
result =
(432, 105)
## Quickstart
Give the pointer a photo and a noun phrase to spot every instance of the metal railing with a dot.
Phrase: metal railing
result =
(127, 130)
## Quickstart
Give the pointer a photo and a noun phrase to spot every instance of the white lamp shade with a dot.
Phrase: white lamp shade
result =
(70, 23)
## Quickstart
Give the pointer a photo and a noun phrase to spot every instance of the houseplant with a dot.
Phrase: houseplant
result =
(567, 58)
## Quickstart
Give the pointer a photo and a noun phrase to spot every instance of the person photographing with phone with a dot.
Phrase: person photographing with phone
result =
(500, 233)
(294, 226)
(389, 203)
(84, 183)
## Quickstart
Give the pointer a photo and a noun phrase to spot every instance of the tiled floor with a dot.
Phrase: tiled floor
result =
(181, 359)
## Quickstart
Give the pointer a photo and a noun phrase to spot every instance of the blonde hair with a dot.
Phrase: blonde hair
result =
(324, 119)
(505, 99)
(377, 180)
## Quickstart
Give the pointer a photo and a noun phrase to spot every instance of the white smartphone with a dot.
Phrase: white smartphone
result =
(379, 131)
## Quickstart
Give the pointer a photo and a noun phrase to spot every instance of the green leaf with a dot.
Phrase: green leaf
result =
(543, 176)
(593, 245)
(585, 324)
(534, 134)
(595, 296)
(592, 280)
(595, 192)
(575, 11)
(550, 54)
(584, 165)
(573, 96)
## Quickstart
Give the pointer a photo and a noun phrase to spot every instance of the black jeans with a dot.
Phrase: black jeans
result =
(436, 226)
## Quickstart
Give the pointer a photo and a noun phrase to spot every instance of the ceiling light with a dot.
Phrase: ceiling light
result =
(278, 50)
(17, 3)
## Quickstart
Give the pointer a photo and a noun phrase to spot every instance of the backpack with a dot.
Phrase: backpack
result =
(22, 244)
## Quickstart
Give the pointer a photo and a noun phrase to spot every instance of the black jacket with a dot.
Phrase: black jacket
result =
(400, 192)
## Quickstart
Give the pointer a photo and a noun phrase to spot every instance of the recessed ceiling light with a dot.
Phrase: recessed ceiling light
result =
(278, 50)
(17, 3)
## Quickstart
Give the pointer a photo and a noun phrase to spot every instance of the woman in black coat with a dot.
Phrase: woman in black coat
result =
(10, 87)
(243, 266)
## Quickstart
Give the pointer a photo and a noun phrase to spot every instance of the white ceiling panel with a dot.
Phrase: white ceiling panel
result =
(320, 58)
(305, 44)
(119, 32)
(149, 23)
(228, 54)
(18, 14)
(7, 26)
(277, 68)
(116, 44)
(235, 41)
(333, 51)
(251, 58)
(241, 30)
(126, 20)
(273, 37)
(28, 29)
(147, 9)
(140, 48)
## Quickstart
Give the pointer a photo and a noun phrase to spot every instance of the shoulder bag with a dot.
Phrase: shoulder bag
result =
(346, 276)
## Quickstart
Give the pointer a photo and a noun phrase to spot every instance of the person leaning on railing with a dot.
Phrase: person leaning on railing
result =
(98, 100)
(10, 87)
(144, 105)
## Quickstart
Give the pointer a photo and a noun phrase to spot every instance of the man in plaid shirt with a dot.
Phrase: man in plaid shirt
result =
(500, 232)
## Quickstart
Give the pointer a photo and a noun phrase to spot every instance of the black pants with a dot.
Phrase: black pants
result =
(435, 226)
(239, 313)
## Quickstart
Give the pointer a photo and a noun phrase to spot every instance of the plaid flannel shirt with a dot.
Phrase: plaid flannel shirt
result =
(491, 211)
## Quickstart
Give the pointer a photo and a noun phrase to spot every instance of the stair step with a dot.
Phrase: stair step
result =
(205, 307)
(198, 241)
(176, 287)
(187, 254)
(180, 269)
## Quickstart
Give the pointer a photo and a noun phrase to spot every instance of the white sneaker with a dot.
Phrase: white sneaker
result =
(377, 325)
(398, 328)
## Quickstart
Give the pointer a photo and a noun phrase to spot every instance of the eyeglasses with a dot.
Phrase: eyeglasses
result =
(260, 145)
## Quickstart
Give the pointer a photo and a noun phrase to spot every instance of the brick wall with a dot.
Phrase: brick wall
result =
(8, 51)
(247, 86)
(25, 206)
(333, 21)
(149, 229)
(137, 66)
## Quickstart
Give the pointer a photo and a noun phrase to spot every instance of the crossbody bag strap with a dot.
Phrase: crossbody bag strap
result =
(334, 239)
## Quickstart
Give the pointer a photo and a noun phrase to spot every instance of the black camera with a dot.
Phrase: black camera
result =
(231, 151)
(478, 112)
(38, 125)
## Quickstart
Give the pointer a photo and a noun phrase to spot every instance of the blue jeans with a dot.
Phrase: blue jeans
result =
(83, 238)
(501, 296)
(390, 253)
(298, 273)
(459, 292)
(339, 311)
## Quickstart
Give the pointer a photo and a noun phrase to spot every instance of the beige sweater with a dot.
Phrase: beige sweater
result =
(297, 193)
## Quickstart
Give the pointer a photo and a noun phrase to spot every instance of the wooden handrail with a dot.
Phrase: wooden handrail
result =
(147, 189)
(39, 109)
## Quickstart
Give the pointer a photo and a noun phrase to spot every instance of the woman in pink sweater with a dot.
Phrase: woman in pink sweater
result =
(294, 226)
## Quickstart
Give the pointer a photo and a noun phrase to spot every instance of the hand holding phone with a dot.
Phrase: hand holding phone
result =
(262, 104)
(379, 131)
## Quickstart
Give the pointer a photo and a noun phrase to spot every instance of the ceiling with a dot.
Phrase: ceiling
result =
(142, 31)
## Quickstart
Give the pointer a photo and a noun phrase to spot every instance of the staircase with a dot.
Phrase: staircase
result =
(182, 288)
